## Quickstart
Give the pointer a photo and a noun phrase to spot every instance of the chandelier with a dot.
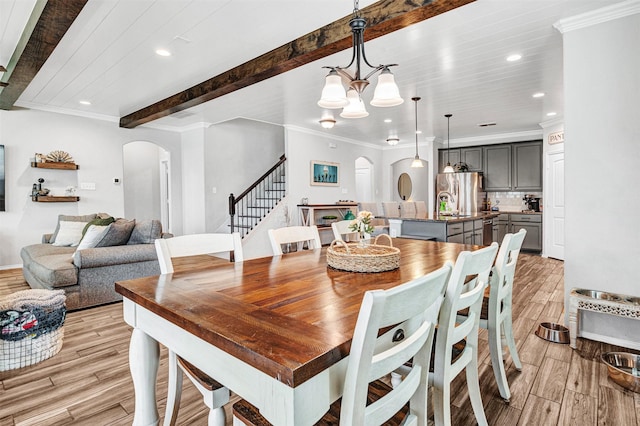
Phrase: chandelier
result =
(334, 95)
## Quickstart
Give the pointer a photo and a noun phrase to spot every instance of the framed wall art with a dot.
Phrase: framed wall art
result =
(324, 173)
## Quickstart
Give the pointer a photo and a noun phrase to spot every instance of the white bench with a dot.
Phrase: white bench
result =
(599, 301)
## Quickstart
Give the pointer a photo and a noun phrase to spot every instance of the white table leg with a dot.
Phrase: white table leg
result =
(144, 355)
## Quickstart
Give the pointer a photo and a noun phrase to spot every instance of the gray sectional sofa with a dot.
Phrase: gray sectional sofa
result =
(87, 275)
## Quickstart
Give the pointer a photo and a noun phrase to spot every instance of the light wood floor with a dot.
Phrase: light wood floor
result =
(88, 382)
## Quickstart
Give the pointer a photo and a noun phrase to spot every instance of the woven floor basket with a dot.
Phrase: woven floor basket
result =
(370, 258)
(29, 351)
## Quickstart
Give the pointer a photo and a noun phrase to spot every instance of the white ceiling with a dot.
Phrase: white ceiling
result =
(455, 62)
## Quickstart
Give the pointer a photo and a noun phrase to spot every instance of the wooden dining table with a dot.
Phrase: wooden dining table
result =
(274, 330)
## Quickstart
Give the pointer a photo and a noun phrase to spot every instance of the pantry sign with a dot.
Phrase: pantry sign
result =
(557, 137)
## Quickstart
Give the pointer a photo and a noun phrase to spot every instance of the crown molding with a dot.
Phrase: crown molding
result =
(332, 137)
(496, 138)
(598, 16)
(550, 123)
(67, 111)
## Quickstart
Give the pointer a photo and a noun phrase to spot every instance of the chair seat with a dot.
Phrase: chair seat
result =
(203, 379)
(249, 415)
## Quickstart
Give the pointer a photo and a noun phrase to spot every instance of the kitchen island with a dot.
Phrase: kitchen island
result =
(477, 228)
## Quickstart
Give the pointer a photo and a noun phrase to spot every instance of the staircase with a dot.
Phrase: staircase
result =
(250, 207)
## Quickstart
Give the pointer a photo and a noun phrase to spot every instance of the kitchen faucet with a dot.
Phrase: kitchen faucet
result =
(447, 198)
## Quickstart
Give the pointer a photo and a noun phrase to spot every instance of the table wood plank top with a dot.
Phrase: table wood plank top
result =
(289, 316)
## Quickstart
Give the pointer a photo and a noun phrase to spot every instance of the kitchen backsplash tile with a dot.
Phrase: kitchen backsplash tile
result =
(511, 201)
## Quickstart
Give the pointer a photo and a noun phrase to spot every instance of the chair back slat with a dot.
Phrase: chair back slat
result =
(294, 234)
(196, 244)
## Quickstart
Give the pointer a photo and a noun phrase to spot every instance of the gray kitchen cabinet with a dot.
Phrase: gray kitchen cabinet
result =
(532, 223)
(527, 166)
(454, 157)
(497, 167)
(472, 157)
(501, 224)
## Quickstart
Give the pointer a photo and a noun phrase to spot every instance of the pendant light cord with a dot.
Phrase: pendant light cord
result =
(448, 137)
(416, 99)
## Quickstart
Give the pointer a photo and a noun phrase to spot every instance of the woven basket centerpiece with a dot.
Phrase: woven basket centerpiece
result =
(368, 258)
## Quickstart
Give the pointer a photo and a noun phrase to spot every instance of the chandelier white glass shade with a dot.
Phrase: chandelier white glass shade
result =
(334, 95)
(355, 108)
(448, 168)
(417, 162)
(392, 140)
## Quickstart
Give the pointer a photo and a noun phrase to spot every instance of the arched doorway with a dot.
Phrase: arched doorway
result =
(146, 182)
(364, 179)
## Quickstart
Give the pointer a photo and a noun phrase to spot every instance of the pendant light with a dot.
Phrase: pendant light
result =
(417, 162)
(448, 168)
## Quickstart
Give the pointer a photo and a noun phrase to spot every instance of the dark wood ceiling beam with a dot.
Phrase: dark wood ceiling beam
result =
(47, 25)
(383, 17)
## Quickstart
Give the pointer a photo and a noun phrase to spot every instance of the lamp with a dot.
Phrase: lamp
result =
(417, 162)
(393, 140)
(448, 168)
(333, 95)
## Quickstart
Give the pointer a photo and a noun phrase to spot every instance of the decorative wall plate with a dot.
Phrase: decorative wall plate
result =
(59, 157)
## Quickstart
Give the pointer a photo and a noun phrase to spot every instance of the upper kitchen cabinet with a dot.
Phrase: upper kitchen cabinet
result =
(472, 157)
(527, 166)
(453, 156)
(497, 167)
(513, 167)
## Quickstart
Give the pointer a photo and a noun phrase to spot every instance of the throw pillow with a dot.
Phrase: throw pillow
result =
(93, 236)
(99, 222)
(146, 232)
(118, 233)
(67, 218)
(69, 233)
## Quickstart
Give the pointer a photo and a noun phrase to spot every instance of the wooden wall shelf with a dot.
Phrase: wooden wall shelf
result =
(57, 199)
(54, 165)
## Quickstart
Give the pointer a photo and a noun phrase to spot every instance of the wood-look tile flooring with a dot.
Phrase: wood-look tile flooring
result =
(88, 382)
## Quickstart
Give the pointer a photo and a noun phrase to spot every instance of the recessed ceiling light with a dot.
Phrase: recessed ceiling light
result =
(388, 120)
(418, 132)
(538, 95)
(393, 140)
(551, 114)
(491, 123)
(514, 57)
(84, 102)
(163, 52)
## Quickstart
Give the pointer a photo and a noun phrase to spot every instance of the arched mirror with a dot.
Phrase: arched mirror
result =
(404, 186)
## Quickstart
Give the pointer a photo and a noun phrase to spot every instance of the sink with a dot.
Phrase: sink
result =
(633, 300)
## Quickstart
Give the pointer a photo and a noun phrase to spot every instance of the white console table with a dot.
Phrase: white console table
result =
(311, 214)
(599, 301)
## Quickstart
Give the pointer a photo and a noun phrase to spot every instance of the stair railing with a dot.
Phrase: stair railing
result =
(250, 207)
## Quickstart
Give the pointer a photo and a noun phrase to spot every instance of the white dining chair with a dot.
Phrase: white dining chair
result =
(456, 345)
(497, 307)
(408, 209)
(414, 306)
(391, 209)
(294, 234)
(341, 231)
(214, 394)
(469, 278)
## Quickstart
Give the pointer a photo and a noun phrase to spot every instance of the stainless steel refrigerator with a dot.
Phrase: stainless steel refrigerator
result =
(462, 192)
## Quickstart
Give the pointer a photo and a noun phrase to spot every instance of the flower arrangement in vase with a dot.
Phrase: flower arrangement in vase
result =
(362, 225)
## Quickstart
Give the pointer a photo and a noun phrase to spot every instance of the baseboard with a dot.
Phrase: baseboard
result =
(18, 266)
(612, 340)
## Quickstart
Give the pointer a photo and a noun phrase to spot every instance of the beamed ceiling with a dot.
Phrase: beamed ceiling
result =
(263, 61)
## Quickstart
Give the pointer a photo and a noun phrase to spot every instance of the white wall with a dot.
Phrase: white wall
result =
(303, 147)
(236, 154)
(95, 145)
(602, 88)
(141, 180)
(193, 205)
